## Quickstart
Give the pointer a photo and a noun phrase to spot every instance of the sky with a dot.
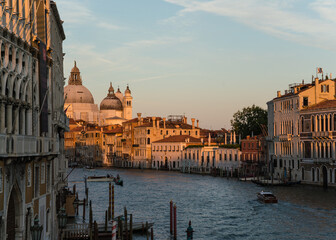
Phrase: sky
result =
(205, 59)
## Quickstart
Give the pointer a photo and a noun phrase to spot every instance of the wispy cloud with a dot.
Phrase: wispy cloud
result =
(108, 26)
(150, 78)
(157, 41)
(82, 15)
(313, 27)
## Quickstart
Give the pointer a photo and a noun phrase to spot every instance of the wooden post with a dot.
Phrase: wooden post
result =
(147, 233)
(74, 189)
(119, 228)
(126, 227)
(84, 210)
(171, 217)
(152, 234)
(110, 201)
(106, 221)
(90, 221)
(95, 230)
(175, 227)
(131, 227)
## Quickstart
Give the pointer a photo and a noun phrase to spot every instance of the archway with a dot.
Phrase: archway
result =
(13, 224)
(325, 177)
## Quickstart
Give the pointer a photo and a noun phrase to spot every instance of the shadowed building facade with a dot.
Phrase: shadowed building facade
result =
(32, 122)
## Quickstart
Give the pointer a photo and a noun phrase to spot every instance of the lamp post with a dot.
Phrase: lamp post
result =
(62, 220)
(36, 230)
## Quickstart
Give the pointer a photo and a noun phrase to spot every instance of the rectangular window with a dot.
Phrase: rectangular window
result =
(42, 173)
(48, 178)
(1, 180)
(305, 101)
(36, 181)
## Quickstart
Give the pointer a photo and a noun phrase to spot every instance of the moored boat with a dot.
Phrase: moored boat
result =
(267, 197)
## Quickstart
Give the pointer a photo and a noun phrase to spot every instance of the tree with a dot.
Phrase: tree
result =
(249, 120)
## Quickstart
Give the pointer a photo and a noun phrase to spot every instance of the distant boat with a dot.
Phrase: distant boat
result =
(268, 183)
(107, 178)
(267, 197)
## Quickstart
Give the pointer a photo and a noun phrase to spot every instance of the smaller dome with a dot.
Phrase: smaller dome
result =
(127, 90)
(111, 102)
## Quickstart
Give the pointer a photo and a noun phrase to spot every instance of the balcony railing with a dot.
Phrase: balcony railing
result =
(22, 145)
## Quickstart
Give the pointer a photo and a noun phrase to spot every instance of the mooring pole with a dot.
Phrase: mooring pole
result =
(126, 227)
(171, 217)
(131, 227)
(175, 227)
(110, 201)
(84, 210)
(90, 220)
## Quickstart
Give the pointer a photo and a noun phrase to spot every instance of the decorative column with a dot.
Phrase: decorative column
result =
(2, 115)
(9, 109)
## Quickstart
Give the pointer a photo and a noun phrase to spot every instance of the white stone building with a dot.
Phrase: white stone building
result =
(167, 153)
(203, 159)
(285, 147)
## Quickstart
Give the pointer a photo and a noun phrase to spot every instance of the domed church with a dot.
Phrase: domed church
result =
(79, 104)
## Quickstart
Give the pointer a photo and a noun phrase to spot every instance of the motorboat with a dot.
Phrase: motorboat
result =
(267, 197)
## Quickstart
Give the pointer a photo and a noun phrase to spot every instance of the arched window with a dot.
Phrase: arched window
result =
(302, 124)
(313, 123)
(318, 123)
(302, 173)
(330, 175)
(317, 174)
(313, 174)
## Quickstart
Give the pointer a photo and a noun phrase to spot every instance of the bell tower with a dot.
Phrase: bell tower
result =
(127, 104)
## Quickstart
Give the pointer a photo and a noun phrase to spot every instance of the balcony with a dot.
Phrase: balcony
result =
(285, 137)
(328, 134)
(22, 145)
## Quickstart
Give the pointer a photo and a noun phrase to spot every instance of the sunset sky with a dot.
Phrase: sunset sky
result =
(202, 58)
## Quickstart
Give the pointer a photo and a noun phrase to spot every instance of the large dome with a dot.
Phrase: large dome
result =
(111, 102)
(77, 94)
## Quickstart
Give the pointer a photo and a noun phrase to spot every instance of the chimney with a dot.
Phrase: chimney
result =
(164, 122)
(154, 121)
(278, 93)
(330, 76)
(295, 90)
(193, 122)
(317, 82)
(185, 120)
(302, 81)
(158, 123)
(197, 123)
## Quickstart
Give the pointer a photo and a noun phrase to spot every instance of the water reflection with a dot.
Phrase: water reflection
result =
(218, 208)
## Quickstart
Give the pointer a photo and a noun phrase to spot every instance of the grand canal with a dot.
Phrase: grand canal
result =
(219, 208)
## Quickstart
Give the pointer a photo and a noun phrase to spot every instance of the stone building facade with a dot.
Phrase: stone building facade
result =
(285, 146)
(167, 153)
(317, 138)
(32, 122)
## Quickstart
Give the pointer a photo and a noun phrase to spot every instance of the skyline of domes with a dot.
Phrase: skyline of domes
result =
(115, 108)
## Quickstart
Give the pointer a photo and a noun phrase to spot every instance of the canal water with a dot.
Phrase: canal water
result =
(218, 208)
